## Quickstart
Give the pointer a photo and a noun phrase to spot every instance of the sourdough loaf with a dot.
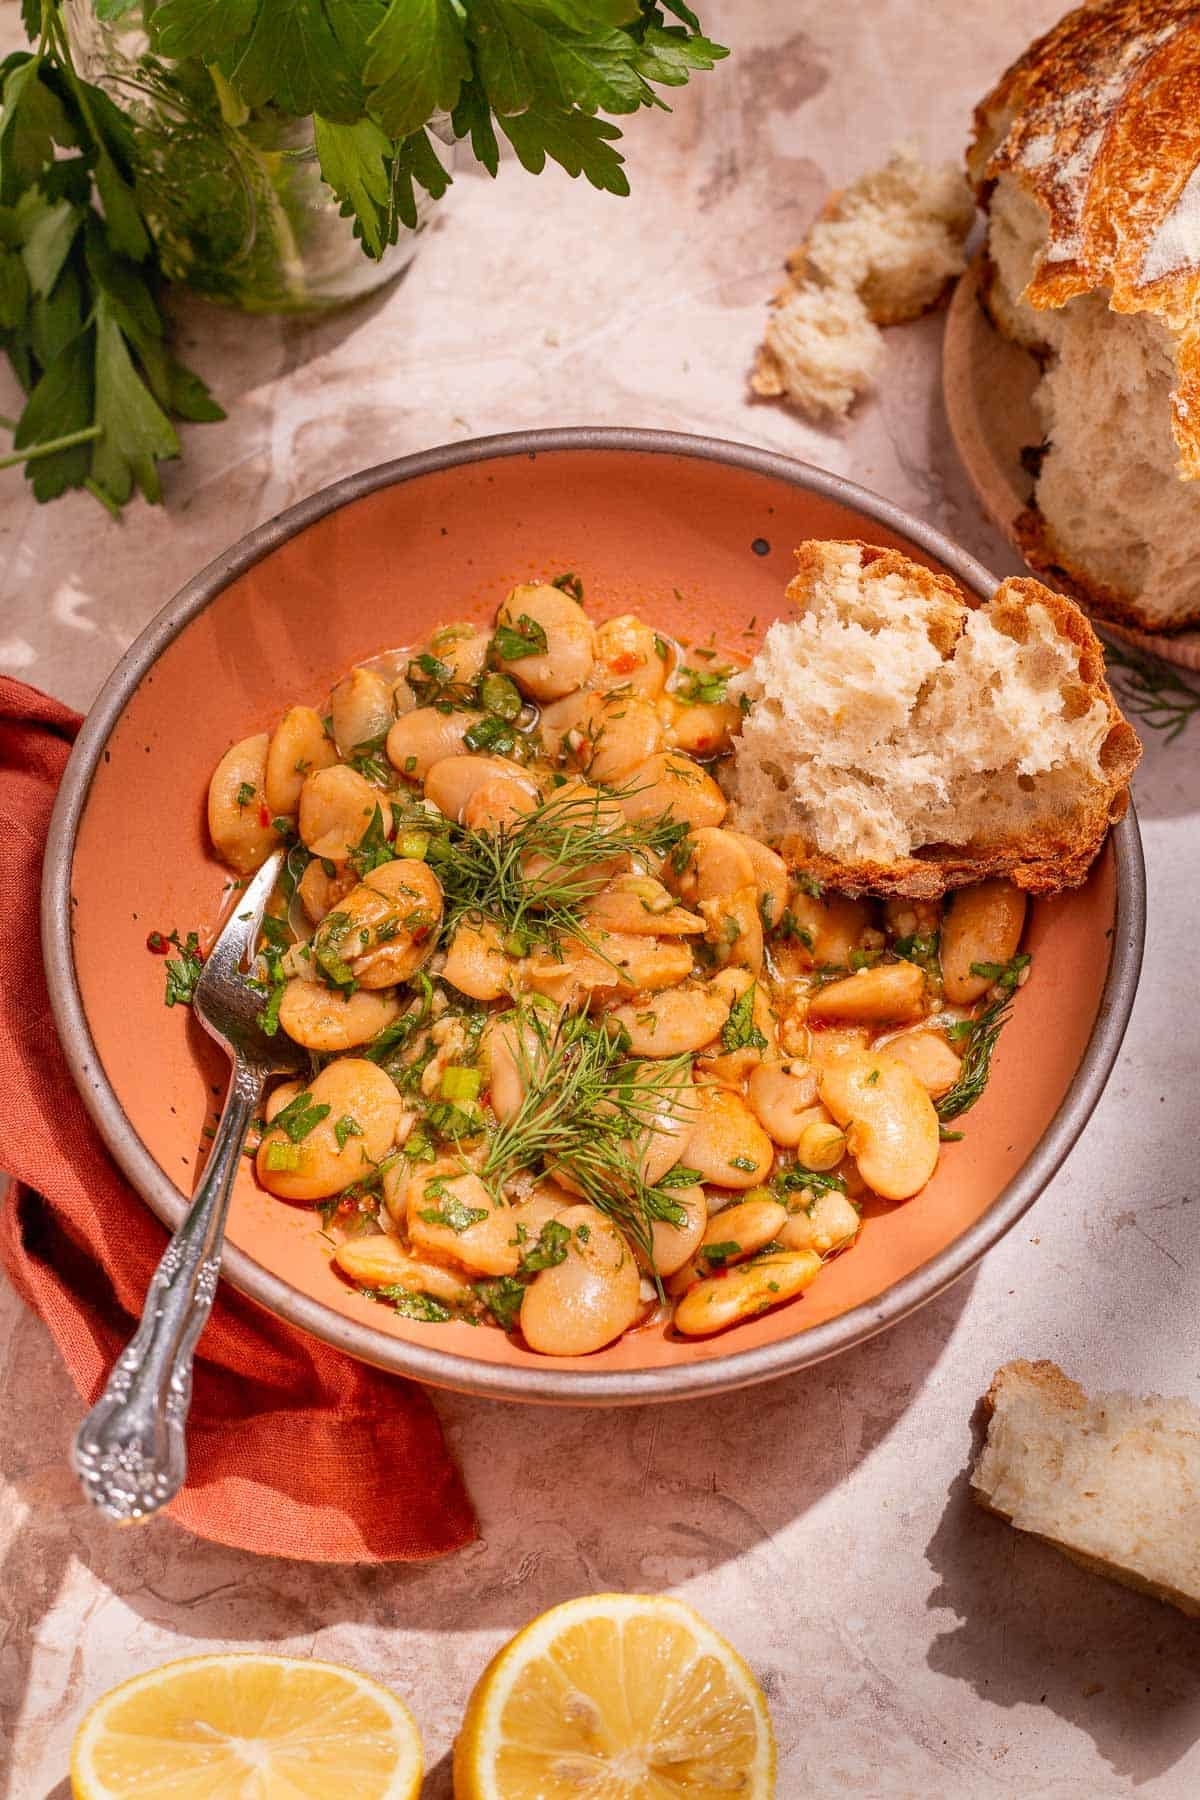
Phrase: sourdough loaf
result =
(1114, 1483)
(1086, 156)
(901, 738)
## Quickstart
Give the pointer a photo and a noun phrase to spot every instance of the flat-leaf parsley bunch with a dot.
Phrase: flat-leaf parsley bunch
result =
(80, 276)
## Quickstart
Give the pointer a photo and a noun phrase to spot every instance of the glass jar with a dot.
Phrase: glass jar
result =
(233, 195)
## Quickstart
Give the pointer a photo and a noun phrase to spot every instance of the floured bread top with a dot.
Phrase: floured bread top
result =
(901, 740)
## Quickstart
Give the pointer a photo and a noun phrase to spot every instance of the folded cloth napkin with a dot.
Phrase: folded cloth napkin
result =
(293, 1449)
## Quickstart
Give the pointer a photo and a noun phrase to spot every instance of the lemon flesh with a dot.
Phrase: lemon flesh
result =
(616, 1697)
(246, 1727)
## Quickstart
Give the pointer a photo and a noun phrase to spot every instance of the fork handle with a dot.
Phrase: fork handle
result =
(130, 1452)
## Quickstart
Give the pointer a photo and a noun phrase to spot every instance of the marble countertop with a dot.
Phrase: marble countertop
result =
(910, 1645)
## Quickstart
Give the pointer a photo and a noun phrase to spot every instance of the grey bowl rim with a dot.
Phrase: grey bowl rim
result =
(530, 1383)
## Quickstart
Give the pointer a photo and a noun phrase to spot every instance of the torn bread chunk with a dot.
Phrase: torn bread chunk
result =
(1114, 1483)
(884, 250)
(899, 738)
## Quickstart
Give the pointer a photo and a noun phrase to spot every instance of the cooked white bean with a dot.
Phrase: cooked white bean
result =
(782, 1102)
(672, 1022)
(641, 906)
(565, 662)
(451, 1214)
(386, 927)
(823, 932)
(674, 1245)
(360, 711)
(671, 782)
(698, 728)
(828, 1223)
(982, 924)
(318, 1165)
(463, 648)
(930, 1058)
(498, 803)
(726, 1144)
(321, 1018)
(512, 1051)
(336, 807)
(770, 877)
(298, 746)
(741, 1230)
(454, 782)
(476, 963)
(889, 993)
(645, 964)
(424, 737)
(717, 864)
(320, 892)
(589, 1298)
(239, 821)
(733, 926)
(379, 1261)
(279, 1097)
(630, 654)
(614, 737)
(890, 1122)
(745, 1292)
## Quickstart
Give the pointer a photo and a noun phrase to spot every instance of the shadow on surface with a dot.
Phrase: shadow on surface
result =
(1035, 1630)
(570, 1501)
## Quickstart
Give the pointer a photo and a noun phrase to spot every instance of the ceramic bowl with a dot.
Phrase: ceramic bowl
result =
(693, 533)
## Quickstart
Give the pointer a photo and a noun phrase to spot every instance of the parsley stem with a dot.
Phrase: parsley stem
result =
(50, 446)
(7, 424)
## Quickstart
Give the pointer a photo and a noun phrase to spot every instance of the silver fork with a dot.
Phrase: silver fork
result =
(130, 1452)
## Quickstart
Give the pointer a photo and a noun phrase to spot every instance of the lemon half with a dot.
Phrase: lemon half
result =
(616, 1697)
(247, 1727)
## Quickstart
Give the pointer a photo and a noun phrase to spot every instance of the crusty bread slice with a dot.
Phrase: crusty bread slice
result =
(1114, 1483)
(902, 738)
(885, 249)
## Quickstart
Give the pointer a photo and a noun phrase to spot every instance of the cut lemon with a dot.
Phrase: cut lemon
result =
(616, 1697)
(246, 1727)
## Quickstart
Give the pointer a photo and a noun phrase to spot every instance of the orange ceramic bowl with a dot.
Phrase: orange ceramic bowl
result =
(693, 533)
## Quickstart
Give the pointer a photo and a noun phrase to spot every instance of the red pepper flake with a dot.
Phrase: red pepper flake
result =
(157, 944)
(264, 817)
(625, 662)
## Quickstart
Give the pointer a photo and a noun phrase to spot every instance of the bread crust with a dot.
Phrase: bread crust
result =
(1057, 1392)
(1041, 552)
(1100, 122)
(1045, 860)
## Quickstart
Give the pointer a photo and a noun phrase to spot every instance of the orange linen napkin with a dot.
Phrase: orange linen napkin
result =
(294, 1450)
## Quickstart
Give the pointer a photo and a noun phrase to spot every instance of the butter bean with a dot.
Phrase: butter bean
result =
(745, 1292)
(889, 993)
(336, 806)
(238, 816)
(890, 1122)
(566, 662)
(588, 1299)
(318, 1165)
(298, 746)
(982, 924)
(727, 1145)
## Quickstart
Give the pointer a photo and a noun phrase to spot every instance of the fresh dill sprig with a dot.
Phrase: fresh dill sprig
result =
(979, 1037)
(531, 878)
(587, 1110)
(1152, 690)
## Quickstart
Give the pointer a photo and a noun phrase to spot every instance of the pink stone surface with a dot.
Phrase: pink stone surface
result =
(910, 1646)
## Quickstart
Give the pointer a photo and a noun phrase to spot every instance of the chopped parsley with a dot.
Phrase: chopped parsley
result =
(183, 970)
(345, 1129)
(739, 1031)
(525, 638)
(451, 1212)
(503, 1298)
(550, 1249)
(299, 1117)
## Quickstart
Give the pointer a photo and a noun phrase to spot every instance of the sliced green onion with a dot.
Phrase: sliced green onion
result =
(284, 1156)
(413, 844)
(461, 1084)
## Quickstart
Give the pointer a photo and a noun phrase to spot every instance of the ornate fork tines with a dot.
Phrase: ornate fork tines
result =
(130, 1452)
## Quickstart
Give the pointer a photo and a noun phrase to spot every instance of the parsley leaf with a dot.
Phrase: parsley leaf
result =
(525, 638)
(739, 1031)
(183, 970)
(298, 1117)
(452, 1212)
(417, 62)
(503, 1298)
(550, 1249)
